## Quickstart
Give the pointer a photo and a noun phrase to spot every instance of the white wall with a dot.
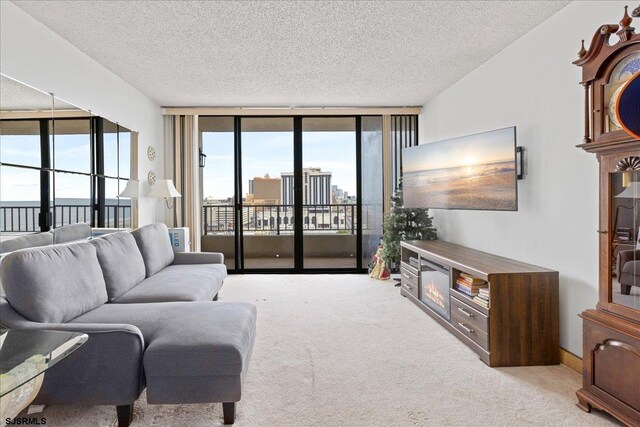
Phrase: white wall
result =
(33, 54)
(533, 85)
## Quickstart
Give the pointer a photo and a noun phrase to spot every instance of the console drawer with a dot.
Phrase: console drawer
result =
(409, 287)
(408, 276)
(470, 315)
(471, 331)
(409, 282)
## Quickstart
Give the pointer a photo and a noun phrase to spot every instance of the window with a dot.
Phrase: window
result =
(110, 144)
(70, 147)
(20, 176)
(326, 171)
(72, 198)
(20, 142)
(124, 153)
(218, 179)
(113, 177)
(85, 166)
(20, 205)
(404, 134)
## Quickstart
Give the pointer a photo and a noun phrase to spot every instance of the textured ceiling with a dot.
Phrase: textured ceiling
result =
(291, 53)
(15, 96)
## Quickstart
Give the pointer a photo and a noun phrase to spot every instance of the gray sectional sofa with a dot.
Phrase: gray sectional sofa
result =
(64, 234)
(149, 315)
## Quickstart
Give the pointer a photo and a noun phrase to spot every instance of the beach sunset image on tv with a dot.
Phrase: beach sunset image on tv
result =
(470, 172)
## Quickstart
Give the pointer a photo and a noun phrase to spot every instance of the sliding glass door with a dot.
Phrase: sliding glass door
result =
(286, 193)
(330, 197)
(266, 209)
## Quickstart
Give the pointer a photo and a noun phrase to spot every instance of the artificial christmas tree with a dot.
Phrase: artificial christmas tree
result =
(402, 223)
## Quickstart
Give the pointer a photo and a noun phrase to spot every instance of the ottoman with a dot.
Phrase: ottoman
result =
(197, 352)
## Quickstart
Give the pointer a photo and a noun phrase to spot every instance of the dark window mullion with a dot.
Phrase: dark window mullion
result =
(92, 180)
(238, 207)
(98, 171)
(117, 212)
(45, 177)
(298, 198)
(358, 193)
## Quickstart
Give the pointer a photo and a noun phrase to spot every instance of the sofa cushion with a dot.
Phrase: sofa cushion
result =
(193, 282)
(26, 241)
(121, 262)
(192, 340)
(53, 284)
(153, 242)
(71, 233)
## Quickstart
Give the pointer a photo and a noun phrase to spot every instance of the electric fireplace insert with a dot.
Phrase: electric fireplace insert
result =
(434, 290)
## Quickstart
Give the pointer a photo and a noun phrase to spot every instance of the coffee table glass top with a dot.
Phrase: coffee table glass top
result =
(25, 354)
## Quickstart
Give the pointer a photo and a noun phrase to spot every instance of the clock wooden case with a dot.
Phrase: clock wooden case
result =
(611, 332)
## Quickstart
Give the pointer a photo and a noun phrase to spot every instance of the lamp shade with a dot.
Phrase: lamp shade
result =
(628, 106)
(164, 189)
(631, 192)
(132, 189)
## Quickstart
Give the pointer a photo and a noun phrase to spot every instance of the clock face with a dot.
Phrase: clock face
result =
(619, 76)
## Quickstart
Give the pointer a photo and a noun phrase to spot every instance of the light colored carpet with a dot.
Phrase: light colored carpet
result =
(349, 350)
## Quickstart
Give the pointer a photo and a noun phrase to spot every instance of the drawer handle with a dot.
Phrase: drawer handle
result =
(465, 312)
(463, 326)
(406, 276)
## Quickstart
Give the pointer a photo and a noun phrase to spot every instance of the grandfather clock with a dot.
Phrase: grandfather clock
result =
(611, 332)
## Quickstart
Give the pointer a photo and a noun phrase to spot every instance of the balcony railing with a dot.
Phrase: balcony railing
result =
(280, 219)
(24, 219)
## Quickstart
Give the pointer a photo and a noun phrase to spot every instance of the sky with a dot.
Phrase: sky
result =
(72, 152)
(262, 153)
(272, 153)
(465, 151)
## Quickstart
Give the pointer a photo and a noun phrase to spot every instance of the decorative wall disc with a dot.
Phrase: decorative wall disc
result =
(151, 178)
(628, 164)
(151, 153)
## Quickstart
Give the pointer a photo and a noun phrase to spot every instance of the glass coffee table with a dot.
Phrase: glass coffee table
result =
(25, 355)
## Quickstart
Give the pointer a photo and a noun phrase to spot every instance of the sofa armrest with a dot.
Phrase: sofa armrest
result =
(626, 256)
(181, 258)
(105, 370)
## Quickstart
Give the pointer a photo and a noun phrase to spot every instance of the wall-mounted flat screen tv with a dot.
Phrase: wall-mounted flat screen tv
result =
(470, 172)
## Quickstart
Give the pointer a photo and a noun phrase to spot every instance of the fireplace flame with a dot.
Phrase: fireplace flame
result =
(434, 295)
